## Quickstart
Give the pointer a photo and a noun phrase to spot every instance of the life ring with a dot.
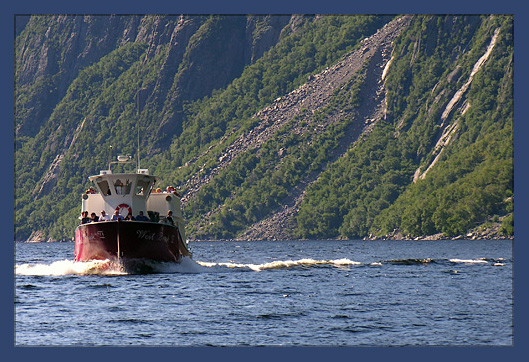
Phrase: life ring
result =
(123, 206)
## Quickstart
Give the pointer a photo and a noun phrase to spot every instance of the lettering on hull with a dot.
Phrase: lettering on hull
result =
(145, 234)
(136, 240)
(153, 236)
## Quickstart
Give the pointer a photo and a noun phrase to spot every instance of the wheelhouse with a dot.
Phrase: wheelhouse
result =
(129, 193)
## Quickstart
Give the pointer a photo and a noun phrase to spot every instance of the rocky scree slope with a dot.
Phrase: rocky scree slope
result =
(297, 107)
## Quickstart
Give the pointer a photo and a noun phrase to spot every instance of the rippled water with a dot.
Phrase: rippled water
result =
(302, 293)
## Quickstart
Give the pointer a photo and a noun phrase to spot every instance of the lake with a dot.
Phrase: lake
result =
(265, 293)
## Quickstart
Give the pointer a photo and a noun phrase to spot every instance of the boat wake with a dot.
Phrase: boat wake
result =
(108, 267)
(70, 267)
(186, 265)
(286, 264)
(190, 266)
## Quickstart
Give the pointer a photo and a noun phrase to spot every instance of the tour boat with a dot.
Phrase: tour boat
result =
(159, 238)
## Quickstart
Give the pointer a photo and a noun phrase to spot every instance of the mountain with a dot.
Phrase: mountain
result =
(273, 127)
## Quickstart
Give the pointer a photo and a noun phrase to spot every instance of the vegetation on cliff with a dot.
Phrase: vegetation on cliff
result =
(434, 163)
(371, 190)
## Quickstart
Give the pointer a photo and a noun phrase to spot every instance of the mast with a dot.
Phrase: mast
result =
(138, 126)
(109, 156)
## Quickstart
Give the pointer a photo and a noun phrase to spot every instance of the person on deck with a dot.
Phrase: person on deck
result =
(129, 217)
(141, 217)
(85, 219)
(171, 190)
(94, 217)
(104, 216)
(119, 187)
(169, 218)
(117, 216)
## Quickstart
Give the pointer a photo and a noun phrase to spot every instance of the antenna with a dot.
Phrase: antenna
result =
(138, 126)
(138, 122)
(109, 156)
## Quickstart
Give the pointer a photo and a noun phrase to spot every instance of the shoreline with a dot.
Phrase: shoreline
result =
(418, 238)
(490, 233)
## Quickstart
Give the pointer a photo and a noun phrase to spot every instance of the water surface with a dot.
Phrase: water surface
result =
(296, 293)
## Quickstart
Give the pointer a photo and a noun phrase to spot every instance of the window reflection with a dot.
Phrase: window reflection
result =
(142, 187)
(104, 187)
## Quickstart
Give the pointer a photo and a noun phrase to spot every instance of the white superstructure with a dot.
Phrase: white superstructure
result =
(131, 193)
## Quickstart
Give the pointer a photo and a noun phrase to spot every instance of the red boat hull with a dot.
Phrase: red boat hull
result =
(129, 240)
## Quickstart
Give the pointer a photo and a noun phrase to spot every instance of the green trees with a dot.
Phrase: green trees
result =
(88, 113)
(370, 190)
(355, 188)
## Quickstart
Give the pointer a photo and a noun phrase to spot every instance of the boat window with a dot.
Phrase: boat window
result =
(142, 187)
(122, 187)
(103, 186)
(128, 185)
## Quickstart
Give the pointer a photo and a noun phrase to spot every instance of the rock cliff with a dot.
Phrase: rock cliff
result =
(211, 50)
(273, 127)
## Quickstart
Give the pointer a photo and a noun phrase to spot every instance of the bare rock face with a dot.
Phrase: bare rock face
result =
(51, 60)
(263, 32)
(216, 53)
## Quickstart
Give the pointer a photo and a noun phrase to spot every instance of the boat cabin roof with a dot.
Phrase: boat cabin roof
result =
(138, 183)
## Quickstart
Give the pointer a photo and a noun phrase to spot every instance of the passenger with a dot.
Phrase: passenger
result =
(104, 216)
(158, 190)
(169, 217)
(129, 217)
(119, 187)
(85, 219)
(94, 217)
(117, 216)
(171, 190)
(141, 217)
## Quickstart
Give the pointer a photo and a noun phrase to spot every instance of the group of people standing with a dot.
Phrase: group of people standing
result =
(168, 190)
(117, 216)
(105, 217)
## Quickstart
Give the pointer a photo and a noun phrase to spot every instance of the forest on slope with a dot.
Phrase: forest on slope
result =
(253, 116)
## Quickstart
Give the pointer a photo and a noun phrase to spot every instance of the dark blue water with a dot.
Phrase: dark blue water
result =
(303, 293)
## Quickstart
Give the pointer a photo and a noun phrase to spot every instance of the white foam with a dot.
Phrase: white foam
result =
(70, 267)
(186, 265)
(469, 261)
(282, 264)
(344, 262)
(104, 267)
